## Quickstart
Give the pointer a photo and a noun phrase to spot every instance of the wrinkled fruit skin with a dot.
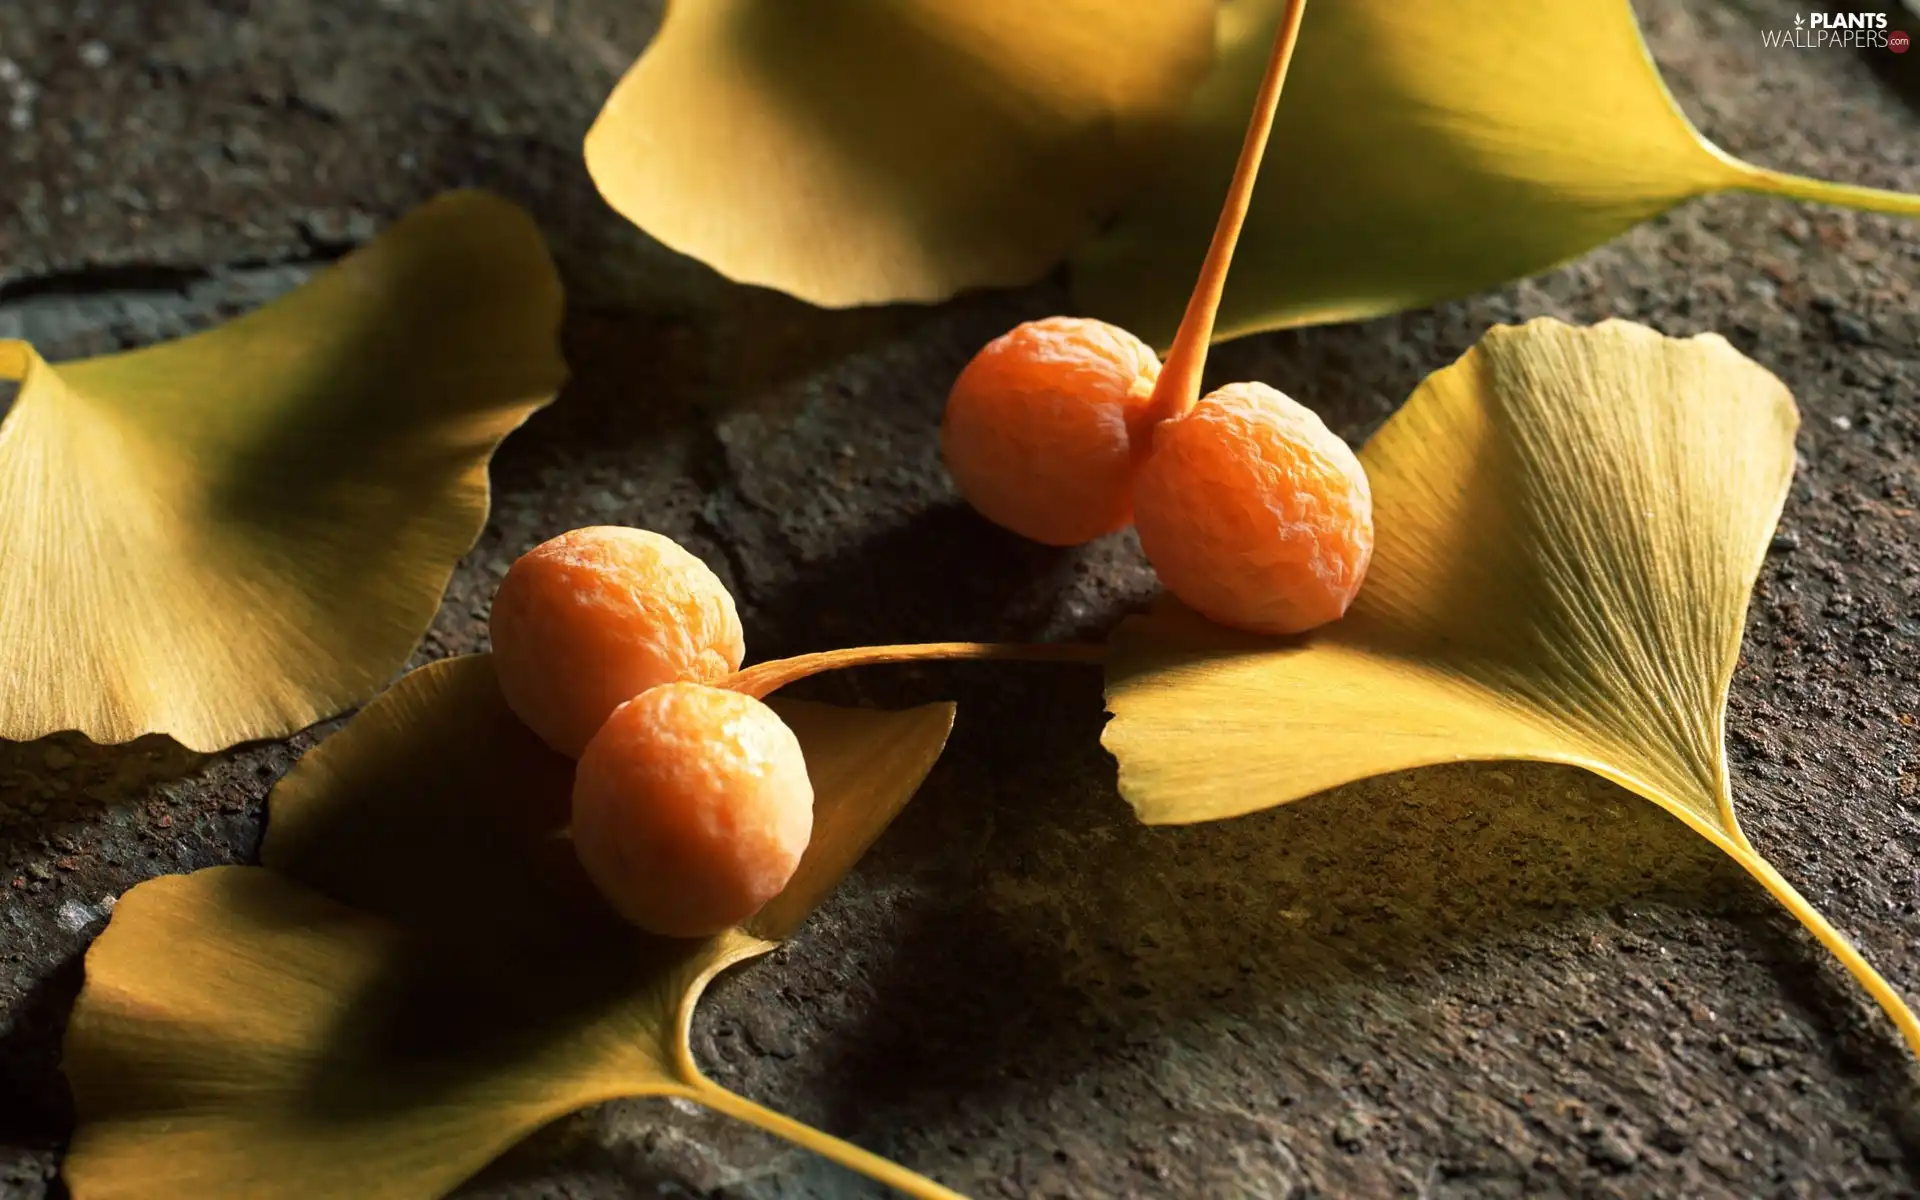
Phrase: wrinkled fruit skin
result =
(1254, 513)
(691, 809)
(585, 622)
(1040, 428)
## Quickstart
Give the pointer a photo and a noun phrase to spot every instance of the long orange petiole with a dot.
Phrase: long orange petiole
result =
(763, 679)
(1179, 386)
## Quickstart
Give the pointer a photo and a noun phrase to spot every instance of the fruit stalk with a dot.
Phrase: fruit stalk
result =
(1179, 385)
(763, 679)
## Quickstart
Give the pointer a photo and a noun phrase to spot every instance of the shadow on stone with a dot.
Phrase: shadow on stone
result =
(908, 585)
(36, 1109)
(586, 1167)
(642, 377)
(65, 780)
(1059, 937)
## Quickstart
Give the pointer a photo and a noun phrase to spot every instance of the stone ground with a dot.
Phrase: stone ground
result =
(1475, 982)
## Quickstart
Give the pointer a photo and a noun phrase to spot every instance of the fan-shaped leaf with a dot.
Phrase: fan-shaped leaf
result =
(1422, 152)
(231, 536)
(1569, 522)
(858, 151)
(423, 976)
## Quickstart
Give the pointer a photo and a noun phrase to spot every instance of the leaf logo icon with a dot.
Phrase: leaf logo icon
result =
(1798, 20)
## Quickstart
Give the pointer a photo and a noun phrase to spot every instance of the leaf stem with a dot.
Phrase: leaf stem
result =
(848, 1155)
(1178, 387)
(763, 679)
(1835, 942)
(1819, 191)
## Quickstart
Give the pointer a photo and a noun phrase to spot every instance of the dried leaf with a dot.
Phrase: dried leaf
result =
(1570, 521)
(422, 976)
(233, 535)
(1423, 152)
(860, 151)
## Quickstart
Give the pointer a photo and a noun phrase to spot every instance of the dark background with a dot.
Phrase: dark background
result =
(1467, 982)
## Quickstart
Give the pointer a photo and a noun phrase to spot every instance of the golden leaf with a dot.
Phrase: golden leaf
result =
(231, 536)
(1423, 152)
(1570, 522)
(422, 975)
(860, 151)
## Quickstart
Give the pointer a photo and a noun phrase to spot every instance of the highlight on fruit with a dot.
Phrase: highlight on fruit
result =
(585, 622)
(691, 808)
(1042, 428)
(1254, 513)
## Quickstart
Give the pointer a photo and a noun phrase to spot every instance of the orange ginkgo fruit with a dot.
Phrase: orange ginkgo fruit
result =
(1043, 427)
(590, 619)
(691, 808)
(1254, 513)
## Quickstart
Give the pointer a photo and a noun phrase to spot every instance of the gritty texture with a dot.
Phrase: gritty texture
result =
(1470, 982)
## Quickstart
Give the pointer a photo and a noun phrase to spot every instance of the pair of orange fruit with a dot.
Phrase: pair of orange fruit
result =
(691, 803)
(1251, 510)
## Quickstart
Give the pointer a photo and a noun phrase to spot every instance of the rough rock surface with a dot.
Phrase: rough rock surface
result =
(1484, 981)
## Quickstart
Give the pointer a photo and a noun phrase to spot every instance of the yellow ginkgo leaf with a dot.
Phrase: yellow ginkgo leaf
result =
(859, 151)
(422, 976)
(1570, 521)
(1424, 151)
(234, 535)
